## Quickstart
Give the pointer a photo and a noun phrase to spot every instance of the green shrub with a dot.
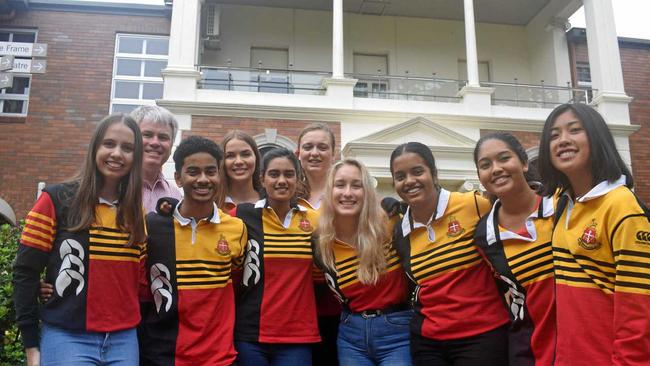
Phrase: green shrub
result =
(11, 349)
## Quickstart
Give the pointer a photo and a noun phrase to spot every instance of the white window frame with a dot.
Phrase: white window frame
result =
(24, 97)
(139, 79)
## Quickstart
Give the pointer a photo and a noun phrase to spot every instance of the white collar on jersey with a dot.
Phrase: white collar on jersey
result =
(443, 202)
(602, 189)
(186, 221)
(490, 234)
(109, 203)
(287, 219)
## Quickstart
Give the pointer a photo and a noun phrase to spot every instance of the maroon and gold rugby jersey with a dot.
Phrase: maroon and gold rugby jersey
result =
(524, 270)
(277, 299)
(190, 318)
(390, 289)
(94, 273)
(601, 249)
(455, 294)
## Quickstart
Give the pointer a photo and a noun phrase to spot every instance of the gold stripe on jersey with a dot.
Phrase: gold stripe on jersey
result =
(39, 230)
(633, 270)
(347, 268)
(111, 244)
(287, 245)
(533, 264)
(582, 271)
(201, 274)
(449, 257)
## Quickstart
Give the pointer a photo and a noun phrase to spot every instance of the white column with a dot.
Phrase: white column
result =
(605, 62)
(337, 40)
(470, 45)
(181, 72)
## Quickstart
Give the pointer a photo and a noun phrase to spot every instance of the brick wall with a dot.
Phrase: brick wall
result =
(527, 139)
(635, 58)
(66, 102)
(215, 127)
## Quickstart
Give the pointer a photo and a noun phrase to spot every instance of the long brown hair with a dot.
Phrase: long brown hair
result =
(372, 234)
(224, 187)
(304, 189)
(130, 217)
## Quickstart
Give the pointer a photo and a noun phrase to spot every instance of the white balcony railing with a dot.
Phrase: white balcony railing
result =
(537, 96)
(407, 88)
(262, 80)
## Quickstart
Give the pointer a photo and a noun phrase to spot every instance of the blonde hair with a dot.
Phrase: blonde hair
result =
(372, 236)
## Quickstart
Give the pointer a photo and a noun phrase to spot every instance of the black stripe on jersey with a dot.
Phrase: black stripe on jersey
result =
(420, 275)
(346, 260)
(533, 267)
(298, 246)
(271, 235)
(529, 251)
(351, 265)
(392, 261)
(346, 281)
(108, 229)
(201, 261)
(633, 253)
(114, 254)
(640, 275)
(582, 257)
(200, 283)
(633, 264)
(589, 279)
(611, 237)
(267, 241)
(543, 254)
(538, 274)
(110, 237)
(114, 246)
(427, 252)
(208, 269)
(192, 275)
(581, 269)
(296, 252)
(447, 251)
(641, 286)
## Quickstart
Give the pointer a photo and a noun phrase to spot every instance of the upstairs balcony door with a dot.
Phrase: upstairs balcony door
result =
(370, 70)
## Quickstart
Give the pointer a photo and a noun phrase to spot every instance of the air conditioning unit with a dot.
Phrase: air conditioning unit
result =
(211, 40)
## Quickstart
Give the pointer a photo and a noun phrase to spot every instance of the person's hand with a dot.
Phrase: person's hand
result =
(33, 356)
(45, 291)
(165, 208)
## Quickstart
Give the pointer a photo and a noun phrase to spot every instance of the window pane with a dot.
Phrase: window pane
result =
(152, 91)
(125, 89)
(4, 36)
(124, 108)
(24, 37)
(13, 106)
(157, 46)
(130, 45)
(128, 67)
(21, 85)
(153, 68)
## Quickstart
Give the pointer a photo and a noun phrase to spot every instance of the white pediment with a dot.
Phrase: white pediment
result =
(421, 130)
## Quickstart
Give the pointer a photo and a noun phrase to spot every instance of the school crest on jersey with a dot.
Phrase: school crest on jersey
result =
(453, 228)
(223, 247)
(588, 238)
(305, 225)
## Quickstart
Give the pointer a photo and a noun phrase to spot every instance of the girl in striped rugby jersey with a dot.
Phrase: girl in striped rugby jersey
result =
(601, 246)
(361, 266)
(88, 235)
(516, 239)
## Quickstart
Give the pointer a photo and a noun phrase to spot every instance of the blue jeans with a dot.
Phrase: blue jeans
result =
(61, 347)
(381, 340)
(276, 354)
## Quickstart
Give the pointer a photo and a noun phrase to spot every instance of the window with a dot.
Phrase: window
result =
(583, 74)
(137, 78)
(365, 68)
(15, 100)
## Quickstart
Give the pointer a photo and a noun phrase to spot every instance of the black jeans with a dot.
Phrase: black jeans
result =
(486, 349)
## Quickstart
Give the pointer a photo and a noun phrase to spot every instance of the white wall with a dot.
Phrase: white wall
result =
(421, 46)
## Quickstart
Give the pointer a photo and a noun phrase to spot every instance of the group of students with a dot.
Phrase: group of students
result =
(232, 273)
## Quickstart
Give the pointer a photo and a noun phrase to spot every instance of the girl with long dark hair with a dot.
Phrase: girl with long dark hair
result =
(601, 245)
(88, 234)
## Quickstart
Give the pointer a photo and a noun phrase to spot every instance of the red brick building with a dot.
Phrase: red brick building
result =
(45, 136)
(635, 60)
